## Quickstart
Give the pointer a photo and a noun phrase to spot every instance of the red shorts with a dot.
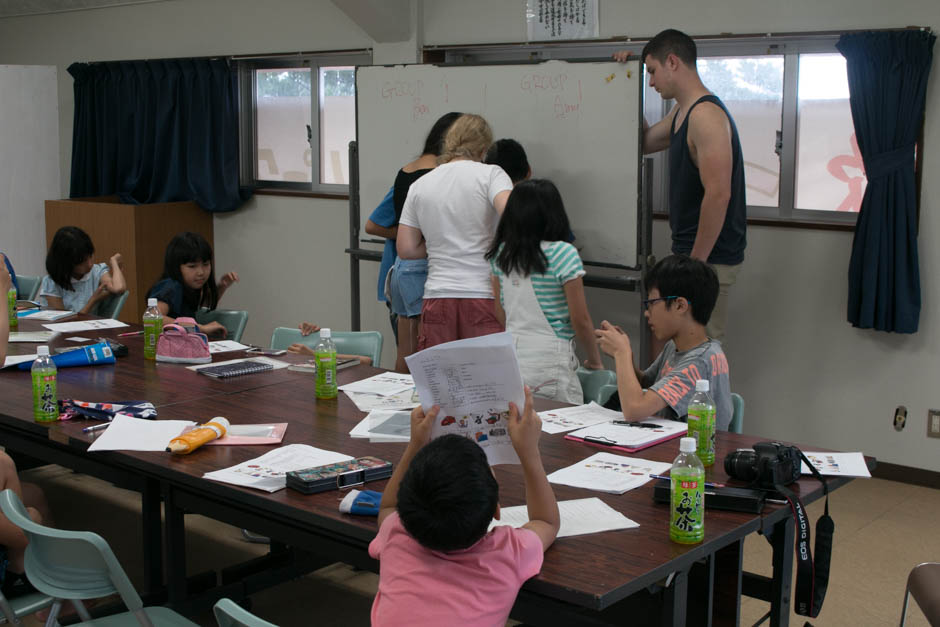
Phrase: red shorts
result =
(449, 319)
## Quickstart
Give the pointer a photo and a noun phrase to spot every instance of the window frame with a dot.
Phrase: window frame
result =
(789, 46)
(248, 114)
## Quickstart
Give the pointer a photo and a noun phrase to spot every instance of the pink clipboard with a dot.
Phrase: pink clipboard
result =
(628, 449)
(238, 435)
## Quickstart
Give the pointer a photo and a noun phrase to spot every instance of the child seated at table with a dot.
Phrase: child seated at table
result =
(682, 293)
(13, 541)
(75, 282)
(438, 564)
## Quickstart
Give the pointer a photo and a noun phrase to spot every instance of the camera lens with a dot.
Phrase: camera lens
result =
(741, 464)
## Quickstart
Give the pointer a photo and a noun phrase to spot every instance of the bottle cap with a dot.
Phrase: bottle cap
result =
(324, 333)
(42, 351)
(687, 445)
(151, 302)
(701, 385)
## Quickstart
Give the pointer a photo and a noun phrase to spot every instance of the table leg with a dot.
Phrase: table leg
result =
(175, 548)
(782, 542)
(675, 600)
(727, 584)
(152, 535)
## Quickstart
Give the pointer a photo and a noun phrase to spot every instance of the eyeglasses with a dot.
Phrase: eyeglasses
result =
(650, 301)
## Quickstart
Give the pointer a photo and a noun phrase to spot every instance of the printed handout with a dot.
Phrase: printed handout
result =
(85, 325)
(370, 402)
(578, 517)
(385, 384)
(569, 418)
(226, 346)
(606, 472)
(837, 464)
(267, 472)
(473, 382)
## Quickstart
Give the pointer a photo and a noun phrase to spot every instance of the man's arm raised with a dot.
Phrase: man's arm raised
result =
(710, 136)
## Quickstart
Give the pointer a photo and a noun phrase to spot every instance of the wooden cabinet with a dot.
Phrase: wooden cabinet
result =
(139, 232)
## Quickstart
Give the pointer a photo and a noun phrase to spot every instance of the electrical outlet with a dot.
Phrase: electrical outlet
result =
(933, 423)
(900, 417)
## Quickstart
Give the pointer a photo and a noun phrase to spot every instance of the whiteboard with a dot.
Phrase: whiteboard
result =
(29, 162)
(578, 122)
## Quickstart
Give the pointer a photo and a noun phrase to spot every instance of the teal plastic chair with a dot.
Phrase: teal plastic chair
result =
(111, 307)
(228, 613)
(14, 609)
(597, 385)
(234, 321)
(28, 286)
(737, 416)
(79, 565)
(365, 343)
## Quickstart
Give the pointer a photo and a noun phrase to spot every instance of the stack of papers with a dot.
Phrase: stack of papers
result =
(276, 364)
(630, 437)
(568, 418)
(126, 433)
(44, 314)
(83, 325)
(32, 336)
(225, 346)
(387, 391)
(609, 473)
(578, 517)
(370, 402)
(837, 464)
(13, 360)
(384, 425)
(268, 471)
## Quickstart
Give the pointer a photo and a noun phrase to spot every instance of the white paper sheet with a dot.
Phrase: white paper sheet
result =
(569, 418)
(384, 426)
(276, 363)
(225, 346)
(606, 472)
(473, 381)
(578, 517)
(12, 360)
(267, 472)
(84, 325)
(127, 433)
(630, 436)
(32, 336)
(78, 338)
(370, 402)
(45, 314)
(385, 384)
(837, 464)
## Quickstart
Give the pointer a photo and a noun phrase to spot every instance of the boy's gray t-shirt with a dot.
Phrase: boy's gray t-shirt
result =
(674, 375)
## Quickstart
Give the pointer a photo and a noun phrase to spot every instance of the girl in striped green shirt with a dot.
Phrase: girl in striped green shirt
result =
(539, 291)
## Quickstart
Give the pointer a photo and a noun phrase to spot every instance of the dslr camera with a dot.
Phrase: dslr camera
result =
(766, 465)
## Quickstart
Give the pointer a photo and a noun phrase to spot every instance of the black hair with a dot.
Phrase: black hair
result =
(448, 496)
(692, 279)
(191, 247)
(510, 156)
(70, 247)
(671, 41)
(434, 144)
(534, 213)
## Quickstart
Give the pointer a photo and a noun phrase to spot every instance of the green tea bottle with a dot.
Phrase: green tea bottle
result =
(702, 422)
(687, 512)
(11, 307)
(325, 357)
(153, 327)
(45, 405)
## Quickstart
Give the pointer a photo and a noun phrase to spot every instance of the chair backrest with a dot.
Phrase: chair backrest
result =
(234, 321)
(69, 564)
(365, 343)
(228, 613)
(111, 307)
(737, 416)
(597, 385)
(28, 286)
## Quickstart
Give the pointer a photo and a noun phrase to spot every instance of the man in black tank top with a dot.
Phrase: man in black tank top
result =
(707, 203)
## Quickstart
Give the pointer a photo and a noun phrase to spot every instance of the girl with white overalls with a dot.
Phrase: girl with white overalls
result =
(539, 292)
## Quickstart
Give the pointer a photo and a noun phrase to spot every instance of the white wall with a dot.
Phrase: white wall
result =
(805, 373)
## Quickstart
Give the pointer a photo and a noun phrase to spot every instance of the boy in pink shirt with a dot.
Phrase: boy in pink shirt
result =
(438, 565)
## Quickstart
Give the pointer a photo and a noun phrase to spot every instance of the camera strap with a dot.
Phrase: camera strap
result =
(812, 579)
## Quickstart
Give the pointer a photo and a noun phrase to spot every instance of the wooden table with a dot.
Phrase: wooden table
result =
(584, 579)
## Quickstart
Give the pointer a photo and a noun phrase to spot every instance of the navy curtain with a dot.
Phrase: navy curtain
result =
(887, 74)
(157, 131)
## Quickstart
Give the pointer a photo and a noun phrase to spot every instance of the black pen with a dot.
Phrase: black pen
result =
(639, 425)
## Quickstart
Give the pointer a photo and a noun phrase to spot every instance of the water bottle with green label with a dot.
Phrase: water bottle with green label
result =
(45, 405)
(325, 357)
(687, 515)
(153, 327)
(11, 307)
(702, 422)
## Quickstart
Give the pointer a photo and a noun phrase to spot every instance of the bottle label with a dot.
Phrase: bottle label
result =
(152, 329)
(45, 408)
(11, 308)
(701, 422)
(326, 375)
(687, 520)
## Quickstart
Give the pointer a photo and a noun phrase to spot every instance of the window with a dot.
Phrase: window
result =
(298, 116)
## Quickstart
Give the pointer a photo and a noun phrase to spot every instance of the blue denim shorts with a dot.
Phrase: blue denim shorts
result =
(406, 286)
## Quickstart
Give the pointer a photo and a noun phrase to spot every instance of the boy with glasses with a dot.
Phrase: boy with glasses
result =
(682, 293)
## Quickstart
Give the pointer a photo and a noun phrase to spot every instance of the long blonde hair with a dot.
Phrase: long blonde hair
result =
(469, 137)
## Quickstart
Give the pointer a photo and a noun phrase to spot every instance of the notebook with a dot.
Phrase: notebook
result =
(627, 437)
(224, 371)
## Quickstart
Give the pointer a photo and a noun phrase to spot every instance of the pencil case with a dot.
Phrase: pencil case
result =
(92, 355)
(730, 499)
(339, 475)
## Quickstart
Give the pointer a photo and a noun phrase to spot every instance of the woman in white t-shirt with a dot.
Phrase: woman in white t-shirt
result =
(450, 216)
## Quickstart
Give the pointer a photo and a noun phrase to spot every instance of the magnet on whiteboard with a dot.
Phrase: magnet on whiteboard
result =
(610, 77)
(629, 73)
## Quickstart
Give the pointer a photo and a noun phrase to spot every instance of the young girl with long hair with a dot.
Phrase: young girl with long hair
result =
(75, 282)
(188, 282)
(539, 291)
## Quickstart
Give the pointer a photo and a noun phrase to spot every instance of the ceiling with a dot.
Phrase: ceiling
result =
(12, 8)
